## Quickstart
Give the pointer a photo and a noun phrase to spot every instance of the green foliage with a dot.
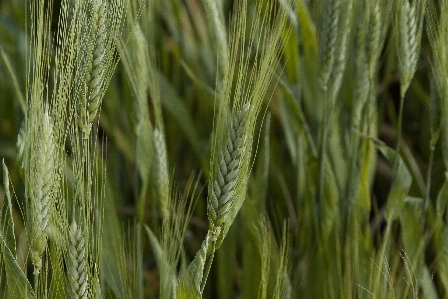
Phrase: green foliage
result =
(319, 129)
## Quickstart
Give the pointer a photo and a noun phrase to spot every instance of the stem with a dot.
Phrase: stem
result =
(139, 264)
(428, 179)
(355, 141)
(36, 282)
(140, 220)
(208, 265)
(382, 263)
(353, 180)
(399, 136)
(323, 152)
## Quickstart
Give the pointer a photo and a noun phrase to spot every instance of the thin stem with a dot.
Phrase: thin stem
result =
(139, 264)
(428, 179)
(36, 282)
(140, 220)
(383, 258)
(353, 177)
(323, 152)
(399, 136)
(209, 262)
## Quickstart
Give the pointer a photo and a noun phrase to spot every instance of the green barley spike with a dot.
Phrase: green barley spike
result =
(77, 265)
(94, 76)
(228, 171)
(410, 23)
(43, 178)
(328, 40)
(373, 37)
(163, 179)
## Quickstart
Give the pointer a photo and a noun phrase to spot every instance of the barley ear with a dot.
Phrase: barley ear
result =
(98, 58)
(340, 59)
(409, 29)
(219, 204)
(162, 170)
(373, 40)
(42, 177)
(77, 263)
(239, 104)
(327, 43)
(228, 172)
(91, 97)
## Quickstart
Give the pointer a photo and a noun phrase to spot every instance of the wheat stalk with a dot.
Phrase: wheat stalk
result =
(409, 28)
(230, 155)
(77, 265)
(222, 192)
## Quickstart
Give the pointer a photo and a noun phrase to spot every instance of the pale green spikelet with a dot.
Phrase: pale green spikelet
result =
(98, 58)
(408, 43)
(327, 45)
(95, 78)
(94, 75)
(162, 170)
(364, 36)
(227, 174)
(77, 263)
(373, 36)
(43, 178)
(340, 59)
(409, 26)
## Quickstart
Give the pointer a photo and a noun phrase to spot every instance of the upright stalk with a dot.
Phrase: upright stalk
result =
(399, 134)
(323, 153)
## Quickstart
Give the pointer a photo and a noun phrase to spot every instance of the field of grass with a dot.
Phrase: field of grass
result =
(223, 149)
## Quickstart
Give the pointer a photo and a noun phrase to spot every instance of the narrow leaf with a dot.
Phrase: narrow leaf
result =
(6, 220)
(18, 286)
(400, 184)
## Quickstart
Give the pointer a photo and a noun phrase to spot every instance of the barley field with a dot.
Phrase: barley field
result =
(223, 149)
